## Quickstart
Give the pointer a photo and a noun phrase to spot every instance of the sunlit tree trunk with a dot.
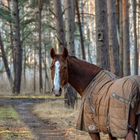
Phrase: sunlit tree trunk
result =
(126, 47)
(102, 43)
(11, 35)
(80, 29)
(113, 42)
(46, 83)
(135, 38)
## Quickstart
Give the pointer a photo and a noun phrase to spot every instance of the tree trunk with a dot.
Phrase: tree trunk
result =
(80, 29)
(62, 43)
(102, 34)
(59, 24)
(70, 25)
(34, 82)
(24, 67)
(126, 49)
(120, 35)
(135, 38)
(113, 42)
(70, 95)
(17, 47)
(46, 83)
(5, 61)
(40, 46)
(11, 36)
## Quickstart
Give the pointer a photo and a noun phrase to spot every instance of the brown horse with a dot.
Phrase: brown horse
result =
(68, 69)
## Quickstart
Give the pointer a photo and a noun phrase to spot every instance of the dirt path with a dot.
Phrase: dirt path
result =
(40, 129)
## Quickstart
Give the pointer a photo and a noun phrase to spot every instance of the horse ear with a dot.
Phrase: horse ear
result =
(52, 53)
(65, 53)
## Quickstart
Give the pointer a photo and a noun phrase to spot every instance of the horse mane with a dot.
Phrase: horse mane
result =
(83, 62)
(81, 66)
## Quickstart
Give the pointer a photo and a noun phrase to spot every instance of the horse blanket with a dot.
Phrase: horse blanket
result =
(106, 104)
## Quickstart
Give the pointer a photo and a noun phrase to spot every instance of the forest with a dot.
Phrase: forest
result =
(101, 32)
(105, 33)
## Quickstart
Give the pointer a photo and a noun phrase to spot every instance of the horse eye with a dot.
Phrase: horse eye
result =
(64, 67)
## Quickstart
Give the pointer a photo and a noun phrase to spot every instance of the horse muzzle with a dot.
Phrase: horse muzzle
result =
(57, 92)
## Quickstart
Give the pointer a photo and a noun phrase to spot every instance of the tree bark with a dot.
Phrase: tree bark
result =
(102, 43)
(120, 36)
(126, 48)
(70, 95)
(34, 82)
(11, 35)
(59, 24)
(136, 60)
(70, 25)
(113, 41)
(80, 30)
(40, 45)
(17, 47)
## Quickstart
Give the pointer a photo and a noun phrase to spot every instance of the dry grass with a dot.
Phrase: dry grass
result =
(30, 97)
(63, 117)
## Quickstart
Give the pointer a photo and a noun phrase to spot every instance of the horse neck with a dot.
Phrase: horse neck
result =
(80, 73)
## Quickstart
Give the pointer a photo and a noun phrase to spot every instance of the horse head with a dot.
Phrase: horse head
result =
(59, 71)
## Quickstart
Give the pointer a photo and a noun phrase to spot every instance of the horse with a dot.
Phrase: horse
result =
(79, 74)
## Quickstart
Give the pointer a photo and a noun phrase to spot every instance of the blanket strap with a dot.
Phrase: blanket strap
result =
(131, 128)
(121, 99)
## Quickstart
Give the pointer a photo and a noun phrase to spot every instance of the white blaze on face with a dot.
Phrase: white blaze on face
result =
(57, 76)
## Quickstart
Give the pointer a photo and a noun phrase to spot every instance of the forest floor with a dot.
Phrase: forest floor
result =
(38, 119)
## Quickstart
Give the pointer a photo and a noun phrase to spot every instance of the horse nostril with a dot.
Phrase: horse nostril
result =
(60, 89)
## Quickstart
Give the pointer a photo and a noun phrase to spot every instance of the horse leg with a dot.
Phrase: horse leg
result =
(133, 120)
(111, 137)
(139, 127)
(95, 136)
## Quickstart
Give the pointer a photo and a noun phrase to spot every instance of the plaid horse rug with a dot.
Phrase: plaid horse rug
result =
(106, 104)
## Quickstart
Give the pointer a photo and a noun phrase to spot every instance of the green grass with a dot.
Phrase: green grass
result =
(8, 113)
(11, 127)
